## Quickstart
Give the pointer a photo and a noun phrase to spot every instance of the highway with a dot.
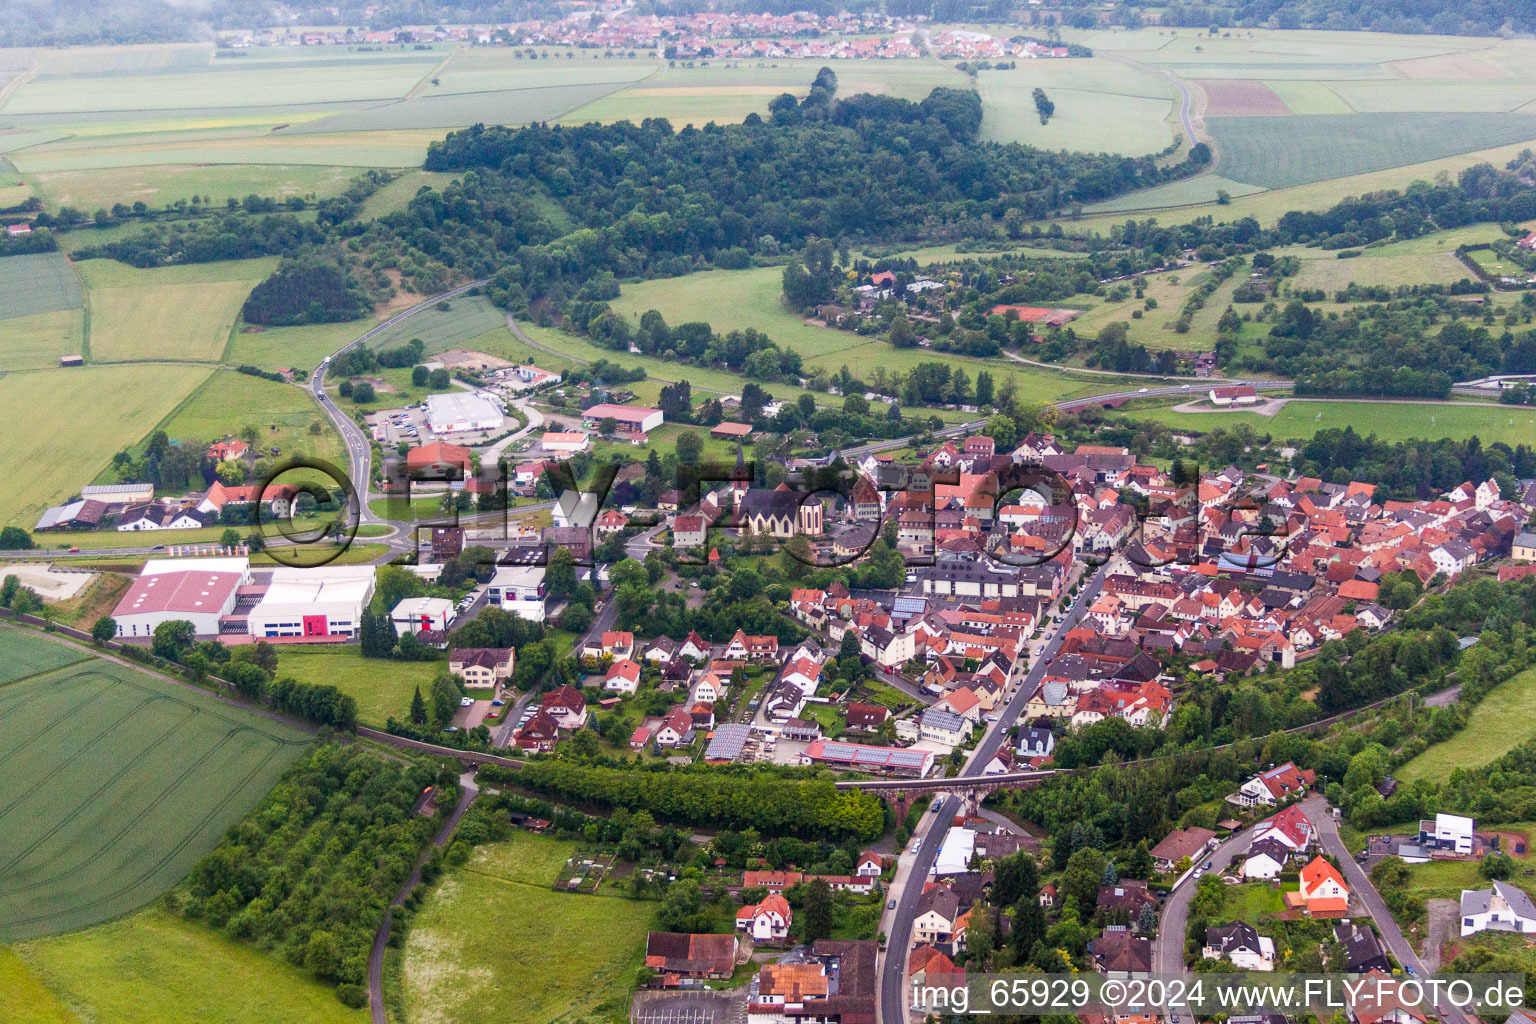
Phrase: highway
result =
(931, 830)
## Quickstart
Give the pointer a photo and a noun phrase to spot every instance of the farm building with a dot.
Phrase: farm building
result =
(632, 419)
(560, 443)
(71, 360)
(455, 413)
(114, 494)
(730, 431)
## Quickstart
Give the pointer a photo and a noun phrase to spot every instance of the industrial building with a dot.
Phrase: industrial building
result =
(325, 601)
(632, 419)
(518, 589)
(421, 615)
(201, 591)
(460, 411)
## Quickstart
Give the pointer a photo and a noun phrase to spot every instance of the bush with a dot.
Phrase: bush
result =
(352, 995)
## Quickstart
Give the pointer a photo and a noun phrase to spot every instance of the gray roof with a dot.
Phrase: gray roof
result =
(728, 741)
(1525, 540)
(1476, 901)
(938, 718)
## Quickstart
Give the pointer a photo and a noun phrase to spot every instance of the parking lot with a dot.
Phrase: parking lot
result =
(697, 1007)
(394, 426)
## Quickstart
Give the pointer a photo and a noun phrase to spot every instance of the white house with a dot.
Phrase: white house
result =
(1503, 908)
(1242, 944)
(944, 727)
(1451, 832)
(623, 677)
(766, 921)
(1265, 860)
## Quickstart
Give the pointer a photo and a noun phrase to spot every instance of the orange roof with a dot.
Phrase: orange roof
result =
(1317, 872)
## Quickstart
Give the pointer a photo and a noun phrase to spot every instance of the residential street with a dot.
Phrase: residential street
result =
(1168, 947)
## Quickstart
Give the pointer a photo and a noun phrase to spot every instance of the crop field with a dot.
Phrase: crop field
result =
(398, 193)
(27, 654)
(472, 932)
(1427, 260)
(116, 404)
(1280, 151)
(1132, 125)
(1241, 97)
(123, 781)
(157, 966)
(282, 414)
(1303, 418)
(465, 318)
(379, 693)
(497, 70)
(1392, 96)
(350, 150)
(37, 283)
(457, 110)
(1302, 97)
(1499, 724)
(160, 184)
(1202, 190)
(180, 313)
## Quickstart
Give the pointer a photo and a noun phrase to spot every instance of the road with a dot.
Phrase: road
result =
(898, 928)
(1168, 949)
(1364, 893)
(467, 794)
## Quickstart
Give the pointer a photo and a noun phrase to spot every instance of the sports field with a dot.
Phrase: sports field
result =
(1499, 724)
(155, 966)
(177, 313)
(473, 932)
(122, 781)
(1303, 418)
(37, 283)
(115, 406)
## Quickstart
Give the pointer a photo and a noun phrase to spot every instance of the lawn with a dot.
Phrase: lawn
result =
(111, 811)
(1276, 152)
(472, 937)
(37, 283)
(1428, 260)
(113, 406)
(156, 966)
(1303, 418)
(382, 688)
(398, 193)
(1250, 902)
(36, 342)
(1130, 119)
(1499, 724)
(284, 415)
(177, 313)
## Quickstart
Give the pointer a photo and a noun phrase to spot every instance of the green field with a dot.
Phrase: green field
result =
(1303, 418)
(1499, 724)
(154, 966)
(496, 69)
(456, 110)
(179, 313)
(35, 342)
(115, 405)
(282, 414)
(472, 937)
(39, 283)
(464, 319)
(158, 185)
(1110, 108)
(1427, 260)
(381, 688)
(1205, 188)
(398, 193)
(1279, 151)
(27, 654)
(295, 347)
(123, 781)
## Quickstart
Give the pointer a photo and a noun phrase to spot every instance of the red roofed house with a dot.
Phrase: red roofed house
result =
(567, 707)
(1240, 394)
(1272, 786)
(438, 459)
(743, 646)
(223, 450)
(623, 677)
(541, 733)
(767, 921)
(1290, 827)
(1322, 891)
(1528, 242)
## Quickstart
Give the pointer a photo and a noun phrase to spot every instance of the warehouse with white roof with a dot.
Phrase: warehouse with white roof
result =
(325, 601)
(459, 411)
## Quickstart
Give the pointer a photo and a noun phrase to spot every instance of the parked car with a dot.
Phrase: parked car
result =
(891, 905)
(466, 702)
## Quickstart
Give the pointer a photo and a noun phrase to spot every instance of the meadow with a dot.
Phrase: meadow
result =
(161, 184)
(1499, 724)
(472, 933)
(1100, 107)
(381, 690)
(1301, 419)
(456, 110)
(108, 408)
(451, 324)
(284, 415)
(124, 781)
(301, 347)
(156, 966)
(178, 313)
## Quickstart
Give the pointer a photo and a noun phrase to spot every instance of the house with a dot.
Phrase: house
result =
(660, 651)
(1126, 896)
(1502, 908)
(688, 531)
(438, 461)
(1179, 844)
(1271, 786)
(1363, 951)
(870, 865)
(940, 726)
(567, 706)
(563, 444)
(937, 909)
(481, 667)
(1266, 859)
(1290, 828)
(675, 730)
(619, 643)
(222, 451)
(834, 983)
(1035, 742)
(767, 921)
(1322, 891)
(691, 956)
(1242, 394)
(1524, 547)
(623, 677)
(865, 717)
(1452, 833)
(539, 733)
(1119, 954)
(743, 647)
(1048, 896)
(930, 966)
(1242, 944)
(694, 647)
(1377, 1000)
